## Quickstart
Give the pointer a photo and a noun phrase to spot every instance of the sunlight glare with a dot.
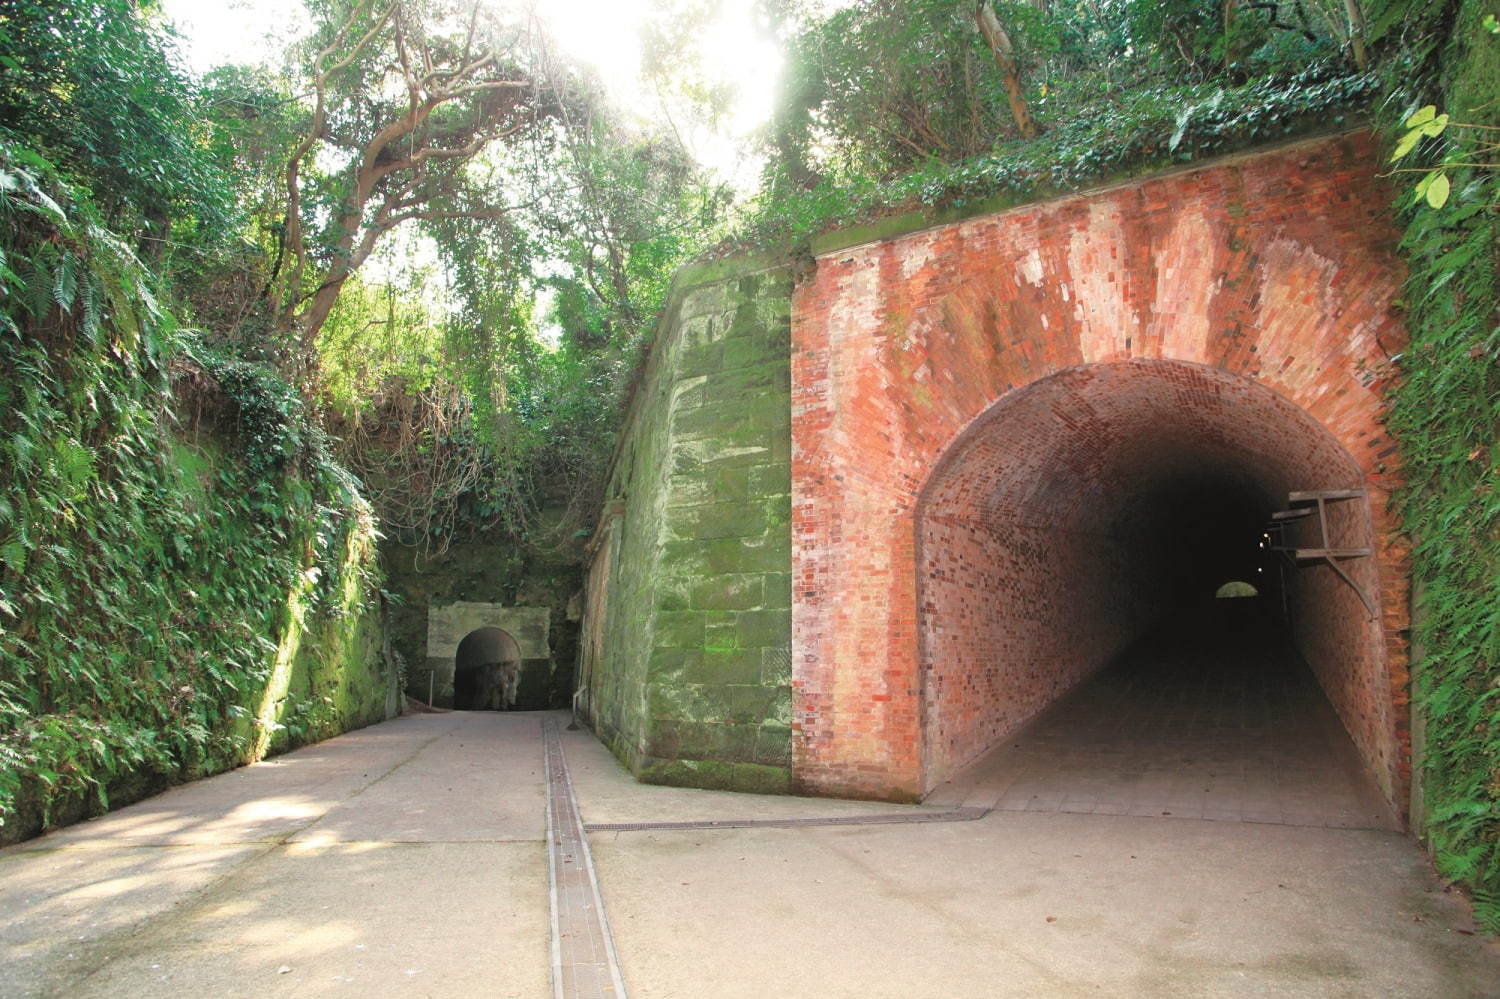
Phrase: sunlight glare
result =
(733, 52)
(747, 60)
(606, 34)
(239, 32)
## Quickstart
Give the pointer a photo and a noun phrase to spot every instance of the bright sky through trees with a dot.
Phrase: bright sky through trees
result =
(608, 35)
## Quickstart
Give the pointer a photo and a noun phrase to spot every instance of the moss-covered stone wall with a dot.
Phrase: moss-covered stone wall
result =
(686, 667)
(284, 648)
(330, 673)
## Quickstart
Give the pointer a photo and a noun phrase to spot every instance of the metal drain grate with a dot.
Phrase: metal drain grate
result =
(584, 965)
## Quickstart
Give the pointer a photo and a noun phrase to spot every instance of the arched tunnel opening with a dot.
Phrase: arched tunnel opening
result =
(486, 671)
(1072, 546)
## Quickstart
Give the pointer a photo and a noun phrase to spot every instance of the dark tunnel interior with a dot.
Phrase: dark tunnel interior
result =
(1091, 512)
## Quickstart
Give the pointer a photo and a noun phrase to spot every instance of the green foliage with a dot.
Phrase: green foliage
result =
(89, 84)
(471, 394)
(1125, 132)
(1445, 412)
(407, 101)
(144, 583)
(1236, 40)
(882, 88)
(250, 124)
(381, 337)
(894, 83)
(638, 209)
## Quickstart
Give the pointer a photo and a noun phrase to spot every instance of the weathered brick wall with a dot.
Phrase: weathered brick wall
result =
(1056, 531)
(689, 672)
(1273, 274)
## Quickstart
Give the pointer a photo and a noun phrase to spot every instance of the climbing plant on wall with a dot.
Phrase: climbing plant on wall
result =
(155, 584)
(1445, 412)
(1133, 130)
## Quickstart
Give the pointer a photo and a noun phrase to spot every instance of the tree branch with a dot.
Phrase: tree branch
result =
(1000, 47)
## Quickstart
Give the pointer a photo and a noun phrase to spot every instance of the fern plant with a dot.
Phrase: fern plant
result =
(143, 602)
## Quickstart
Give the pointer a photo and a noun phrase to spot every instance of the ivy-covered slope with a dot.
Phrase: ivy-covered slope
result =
(1145, 128)
(185, 577)
(1446, 414)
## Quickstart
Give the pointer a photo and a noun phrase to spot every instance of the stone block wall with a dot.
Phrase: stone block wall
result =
(686, 661)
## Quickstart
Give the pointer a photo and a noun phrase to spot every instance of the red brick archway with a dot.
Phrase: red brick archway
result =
(1273, 271)
(1082, 510)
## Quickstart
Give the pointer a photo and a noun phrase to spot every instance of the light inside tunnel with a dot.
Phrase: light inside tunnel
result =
(1088, 508)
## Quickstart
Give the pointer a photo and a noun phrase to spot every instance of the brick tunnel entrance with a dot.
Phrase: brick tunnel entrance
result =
(1085, 523)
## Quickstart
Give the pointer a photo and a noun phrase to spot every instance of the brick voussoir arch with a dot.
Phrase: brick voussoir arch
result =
(1275, 269)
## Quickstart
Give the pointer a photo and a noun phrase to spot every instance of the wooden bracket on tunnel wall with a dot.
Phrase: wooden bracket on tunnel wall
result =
(1326, 553)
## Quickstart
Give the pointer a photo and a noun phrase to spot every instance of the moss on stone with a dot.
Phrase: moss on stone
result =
(704, 469)
(715, 775)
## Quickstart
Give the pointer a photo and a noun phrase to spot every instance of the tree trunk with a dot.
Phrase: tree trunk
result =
(1357, 34)
(152, 245)
(1228, 34)
(318, 310)
(1000, 47)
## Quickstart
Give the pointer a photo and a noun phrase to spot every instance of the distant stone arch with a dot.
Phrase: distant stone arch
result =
(484, 656)
(486, 671)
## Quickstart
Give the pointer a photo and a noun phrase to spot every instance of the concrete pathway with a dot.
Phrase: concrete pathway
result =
(410, 859)
(1190, 723)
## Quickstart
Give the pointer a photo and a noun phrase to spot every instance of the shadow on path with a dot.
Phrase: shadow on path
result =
(1212, 716)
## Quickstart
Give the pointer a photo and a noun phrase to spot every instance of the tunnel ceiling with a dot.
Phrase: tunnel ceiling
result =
(1094, 446)
(487, 645)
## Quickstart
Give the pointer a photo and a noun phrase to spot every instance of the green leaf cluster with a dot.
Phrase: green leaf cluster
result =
(91, 85)
(1445, 412)
(474, 391)
(170, 529)
(1131, 131)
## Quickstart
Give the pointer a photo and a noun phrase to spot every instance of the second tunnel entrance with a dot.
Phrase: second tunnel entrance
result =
(486, 671)
(1092, 516)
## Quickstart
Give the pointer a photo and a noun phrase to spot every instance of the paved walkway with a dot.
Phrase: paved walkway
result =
(410, 859)
(1222, 721)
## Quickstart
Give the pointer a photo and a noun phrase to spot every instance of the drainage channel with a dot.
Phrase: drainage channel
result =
(884, 819)
(584, 965)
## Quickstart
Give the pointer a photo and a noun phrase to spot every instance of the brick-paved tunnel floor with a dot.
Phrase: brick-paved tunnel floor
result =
(1214, 717)
(410, 859)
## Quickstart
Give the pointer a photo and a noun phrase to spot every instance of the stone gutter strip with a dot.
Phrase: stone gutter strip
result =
(584, 965)
(882, 819)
